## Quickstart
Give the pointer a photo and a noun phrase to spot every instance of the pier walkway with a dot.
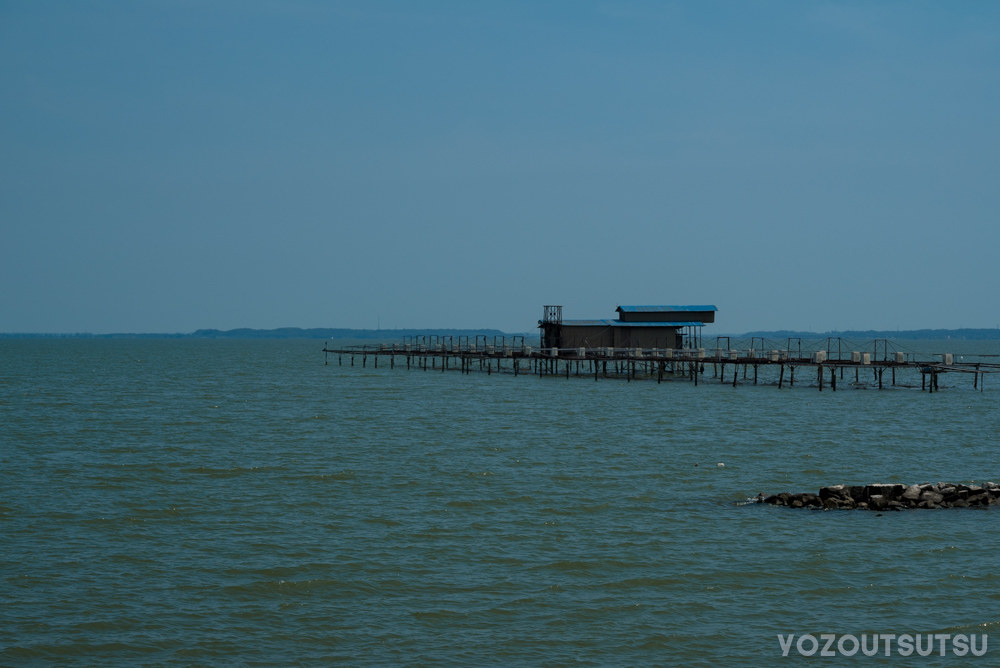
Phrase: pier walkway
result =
(823, 363)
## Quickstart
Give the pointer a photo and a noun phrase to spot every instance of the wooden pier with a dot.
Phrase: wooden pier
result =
(822, 364)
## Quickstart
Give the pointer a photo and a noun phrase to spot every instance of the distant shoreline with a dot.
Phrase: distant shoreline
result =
(281, 333)
(395, 334)
(905, 334)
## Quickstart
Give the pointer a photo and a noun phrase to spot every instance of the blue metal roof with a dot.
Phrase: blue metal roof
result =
(664, 309)
(621, 323)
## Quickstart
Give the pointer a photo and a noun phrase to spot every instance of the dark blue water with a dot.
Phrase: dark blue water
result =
(240, 503)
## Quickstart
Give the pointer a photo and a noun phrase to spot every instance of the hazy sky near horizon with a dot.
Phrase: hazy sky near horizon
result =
(169, 166)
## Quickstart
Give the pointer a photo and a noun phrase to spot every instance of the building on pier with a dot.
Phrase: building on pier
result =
(636, 327)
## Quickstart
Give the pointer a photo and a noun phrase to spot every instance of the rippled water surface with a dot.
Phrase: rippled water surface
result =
(239, 503)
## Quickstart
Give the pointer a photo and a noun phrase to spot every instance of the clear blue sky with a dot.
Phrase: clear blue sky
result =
(168, 166)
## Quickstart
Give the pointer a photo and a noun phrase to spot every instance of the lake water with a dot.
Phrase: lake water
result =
(172, 502)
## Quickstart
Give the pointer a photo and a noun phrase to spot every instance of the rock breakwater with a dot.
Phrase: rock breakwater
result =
(891, 497)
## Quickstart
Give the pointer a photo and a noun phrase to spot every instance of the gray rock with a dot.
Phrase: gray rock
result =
(912, 493)
(877, 502)
(955, 495)
(978, 499)
(832, 491)
(889, 491)
(932, 497)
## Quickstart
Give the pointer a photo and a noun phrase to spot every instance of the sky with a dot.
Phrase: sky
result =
(170, 166)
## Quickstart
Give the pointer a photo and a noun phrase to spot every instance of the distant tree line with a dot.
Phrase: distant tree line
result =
(397, 334)
(906, 334)
(280, 333)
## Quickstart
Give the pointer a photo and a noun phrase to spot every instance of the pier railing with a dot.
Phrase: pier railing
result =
(830, 357)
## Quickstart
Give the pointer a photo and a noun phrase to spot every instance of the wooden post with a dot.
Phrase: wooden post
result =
(326, 356)
(880, 377)
(833, 379)
(791, 373)
(376, 360)
(754, 374)
(781, 376)
(364, 361)
(736, 374)
(894, 376)
(819, 368)
(923, 381)
(722, 375)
